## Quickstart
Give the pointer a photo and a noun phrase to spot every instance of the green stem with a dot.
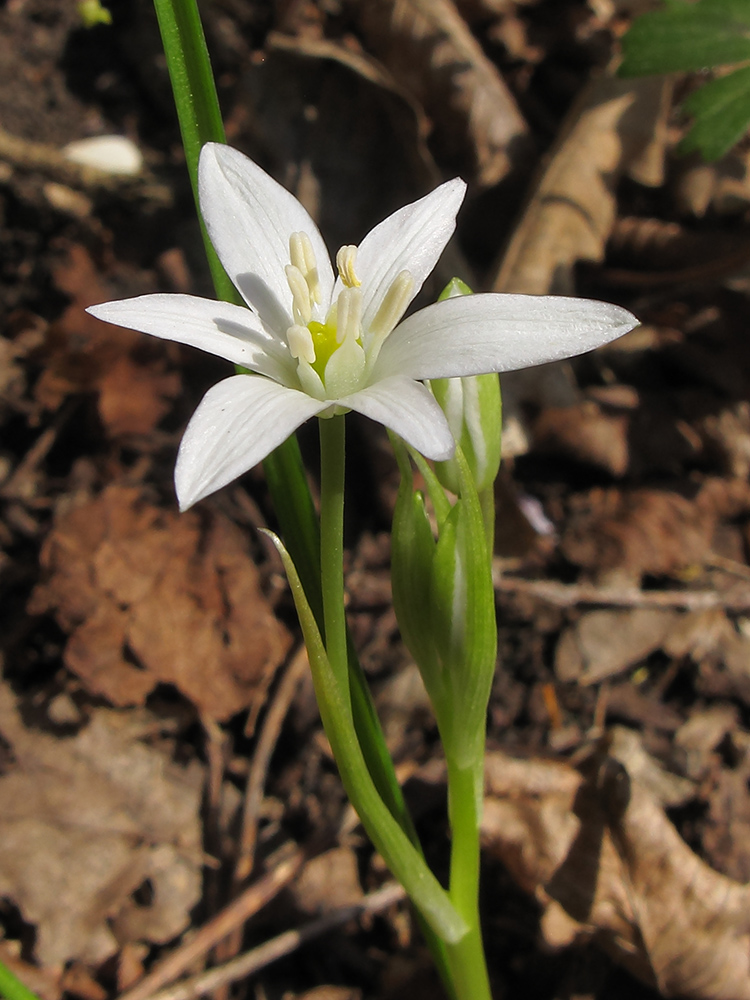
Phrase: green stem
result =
(11, 986)
(466, 958)
(332, 462)
(197, 105)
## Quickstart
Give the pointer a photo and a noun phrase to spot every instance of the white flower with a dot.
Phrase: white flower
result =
(319, 344)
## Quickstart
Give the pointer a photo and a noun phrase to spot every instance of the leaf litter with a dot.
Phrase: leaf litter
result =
(151, 597)
(625, 592)
(87, 820)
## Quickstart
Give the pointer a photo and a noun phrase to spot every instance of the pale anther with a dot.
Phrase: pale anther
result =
(301, 305)
(393, 306)
(300, 343)
(349, 315)
(302, 256)
(346, 258)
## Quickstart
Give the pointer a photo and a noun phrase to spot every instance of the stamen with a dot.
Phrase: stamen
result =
(393, 307)
(345, 261)
(302, 256)
(349, 315)
(301, 305)
(300, 343)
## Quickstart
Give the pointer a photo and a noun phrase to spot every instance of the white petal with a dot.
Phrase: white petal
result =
(498, 333)
(411, 239)
(409, 409)
(220, 328)
(237, 424)
(250, 217)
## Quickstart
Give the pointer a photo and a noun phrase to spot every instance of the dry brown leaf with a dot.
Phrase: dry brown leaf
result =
(573, 208)
(727, 834)
(152, 597)
(430, 50)
(650, 246)
(327, 881)
(586, 433)
(620, 536)
(569, 218)
(605, 863)
(603, 643)
(127, 370)
(87, 820)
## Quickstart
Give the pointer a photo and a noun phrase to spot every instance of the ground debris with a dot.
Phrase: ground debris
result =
(596, 849)
(430, 50)
(84, 822)
(149, 596)
(130, 375)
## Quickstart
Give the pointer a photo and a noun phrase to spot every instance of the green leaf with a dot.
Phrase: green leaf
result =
(11, 986)
(687, 36)
(722, 115)
(401, 856)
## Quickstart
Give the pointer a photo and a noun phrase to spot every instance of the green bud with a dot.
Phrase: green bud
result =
(444, 602)
(473, 409)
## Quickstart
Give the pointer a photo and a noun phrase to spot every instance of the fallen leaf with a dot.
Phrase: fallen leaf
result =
(128, 371)
(150, 596)
(727, 833)
(618, 536)
(429, 49)
(568, 219)
(84, 822)
(327, 881)
(605, 863)
(573, 208)
(601, 644)
(585, 433)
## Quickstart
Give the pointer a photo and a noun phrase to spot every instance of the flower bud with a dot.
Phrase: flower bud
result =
(472, 407)
(444, 602)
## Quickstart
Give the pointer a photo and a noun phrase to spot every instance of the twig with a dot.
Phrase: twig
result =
(256, 778)
(20, 484)
(254, 788)
(215, 746)
(256, 959)
(565, 595)
(237, 913)
(24, 154)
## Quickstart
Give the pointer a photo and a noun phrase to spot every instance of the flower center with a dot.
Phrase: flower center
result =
(334, 355)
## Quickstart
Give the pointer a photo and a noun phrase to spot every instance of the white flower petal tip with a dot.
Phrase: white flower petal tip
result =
(114, 154)
(473, 334)
(316, 343)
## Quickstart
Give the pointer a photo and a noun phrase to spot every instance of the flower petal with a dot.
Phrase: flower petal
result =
(250, 217)
(237, 424)
(474, 334)
(409, 409)
(219, 328)
(411, 239)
